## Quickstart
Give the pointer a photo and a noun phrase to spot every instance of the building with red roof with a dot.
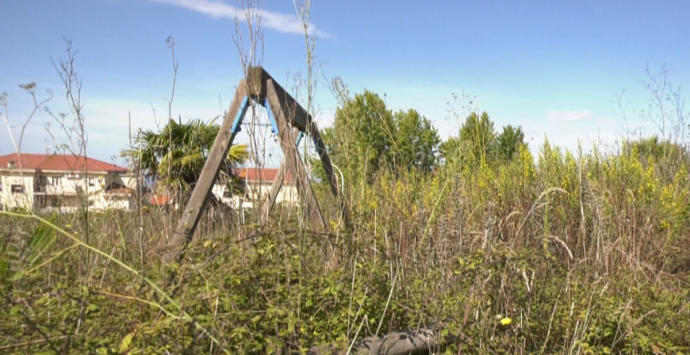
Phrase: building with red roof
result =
(255, 184)
(260, 175)
(63, 182)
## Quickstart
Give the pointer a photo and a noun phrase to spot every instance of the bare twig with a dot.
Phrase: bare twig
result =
(170, 42)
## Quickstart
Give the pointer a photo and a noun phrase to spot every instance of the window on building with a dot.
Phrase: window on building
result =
(91, 182)
(56, 181)
(17, 189)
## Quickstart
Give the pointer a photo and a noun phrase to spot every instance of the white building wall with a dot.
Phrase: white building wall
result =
(287, 195)
(127, 180)
(65, 193)
(116, 202)
(68, 193)
(18, 200)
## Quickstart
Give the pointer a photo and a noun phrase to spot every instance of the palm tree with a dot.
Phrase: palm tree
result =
(174, 157)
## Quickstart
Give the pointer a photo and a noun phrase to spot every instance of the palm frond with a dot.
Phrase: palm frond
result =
(237, 154)
(175, 156)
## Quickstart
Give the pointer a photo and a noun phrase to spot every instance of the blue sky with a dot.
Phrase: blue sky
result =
(553, 67)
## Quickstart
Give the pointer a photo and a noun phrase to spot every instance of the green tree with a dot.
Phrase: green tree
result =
(367, 137)
(656, 147)
(509, 141)
(416, 141)
(668, 156)
(362, 135)
(175, 156)
(478, 135)
(478, 142)
(475, 143)
(449, 148)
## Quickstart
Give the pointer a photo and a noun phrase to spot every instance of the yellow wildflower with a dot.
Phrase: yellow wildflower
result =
(506, 321)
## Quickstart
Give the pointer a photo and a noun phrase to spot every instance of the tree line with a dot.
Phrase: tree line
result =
(367, 137)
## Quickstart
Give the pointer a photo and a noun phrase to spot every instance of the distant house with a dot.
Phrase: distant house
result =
(44, 182)
(255, 184)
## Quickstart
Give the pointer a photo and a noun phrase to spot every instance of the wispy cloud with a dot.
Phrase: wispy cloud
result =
(287, 23)
(567, 115)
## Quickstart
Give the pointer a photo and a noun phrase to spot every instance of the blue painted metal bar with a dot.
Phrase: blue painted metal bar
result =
(236, 125)
(274, 124)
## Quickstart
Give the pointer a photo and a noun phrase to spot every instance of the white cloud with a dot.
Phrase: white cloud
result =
(567, 115)
(271, 20)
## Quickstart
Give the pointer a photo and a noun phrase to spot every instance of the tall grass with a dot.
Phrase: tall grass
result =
(580, 253)
(565, 252)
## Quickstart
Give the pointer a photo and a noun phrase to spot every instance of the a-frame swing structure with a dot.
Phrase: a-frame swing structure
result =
(290, 122)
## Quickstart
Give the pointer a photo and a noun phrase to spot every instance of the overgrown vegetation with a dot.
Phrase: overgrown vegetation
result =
(503, 251)
(582, 252)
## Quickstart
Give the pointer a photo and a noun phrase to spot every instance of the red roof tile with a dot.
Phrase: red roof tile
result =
(259, 174)
(64, 162)
(27, 161)
(159, 200)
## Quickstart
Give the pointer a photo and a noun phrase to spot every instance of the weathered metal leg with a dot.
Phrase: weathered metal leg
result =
(291, 155)
(190, 217)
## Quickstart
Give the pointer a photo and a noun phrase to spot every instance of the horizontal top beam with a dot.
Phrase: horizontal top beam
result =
(257, 79)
